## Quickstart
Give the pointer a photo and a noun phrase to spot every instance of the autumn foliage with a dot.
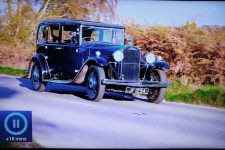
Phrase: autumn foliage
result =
(196, 54)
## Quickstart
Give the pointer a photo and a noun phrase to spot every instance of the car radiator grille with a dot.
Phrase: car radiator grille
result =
(131, 64)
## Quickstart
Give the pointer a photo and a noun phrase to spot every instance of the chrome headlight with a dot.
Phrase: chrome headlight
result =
(118, 56)
(159, 58)
(150, 57)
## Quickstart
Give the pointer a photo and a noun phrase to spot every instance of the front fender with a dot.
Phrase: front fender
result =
(40, 58)
(80, 77)
(98, 61)
(159, 65)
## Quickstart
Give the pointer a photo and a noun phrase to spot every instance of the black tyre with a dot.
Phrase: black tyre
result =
(156, 95)
(95, 90)
(36, 78)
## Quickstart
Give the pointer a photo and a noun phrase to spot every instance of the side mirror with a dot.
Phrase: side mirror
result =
(129, 39)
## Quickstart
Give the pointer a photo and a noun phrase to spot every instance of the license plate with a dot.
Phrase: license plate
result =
(132, 90)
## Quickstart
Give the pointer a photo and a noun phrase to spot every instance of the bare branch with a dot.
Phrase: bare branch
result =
(44, 9)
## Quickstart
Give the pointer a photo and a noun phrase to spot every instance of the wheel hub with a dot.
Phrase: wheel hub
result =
(36, 75)
(92, 82)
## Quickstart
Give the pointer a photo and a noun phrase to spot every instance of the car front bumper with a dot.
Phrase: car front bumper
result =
(140, 83)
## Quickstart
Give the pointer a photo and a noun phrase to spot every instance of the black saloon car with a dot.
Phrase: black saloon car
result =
(93, 54)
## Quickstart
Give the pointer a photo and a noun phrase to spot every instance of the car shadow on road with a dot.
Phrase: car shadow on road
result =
(56, 88)
(6, 92)
(24, 82)
(78, 91)
(122, 96)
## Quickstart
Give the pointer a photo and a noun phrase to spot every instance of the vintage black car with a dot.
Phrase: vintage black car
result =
(93, 54)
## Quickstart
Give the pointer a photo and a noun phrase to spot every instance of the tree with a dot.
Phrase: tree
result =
(97, 10)
(22, 16)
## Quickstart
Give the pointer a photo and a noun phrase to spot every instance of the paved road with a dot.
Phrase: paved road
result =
(63, 118)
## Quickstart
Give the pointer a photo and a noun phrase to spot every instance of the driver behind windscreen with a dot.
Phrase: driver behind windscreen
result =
(74, 37)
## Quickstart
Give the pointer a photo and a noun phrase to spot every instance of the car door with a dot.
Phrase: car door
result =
(70, 46)
(53, 49)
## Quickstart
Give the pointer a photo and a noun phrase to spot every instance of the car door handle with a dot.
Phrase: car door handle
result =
(58, 48)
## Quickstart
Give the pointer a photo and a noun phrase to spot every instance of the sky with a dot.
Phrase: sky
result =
(172, 13)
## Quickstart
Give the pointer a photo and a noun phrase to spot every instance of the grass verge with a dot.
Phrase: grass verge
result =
(204, 95)
(20, 145)
(6, 145)
(12, 71)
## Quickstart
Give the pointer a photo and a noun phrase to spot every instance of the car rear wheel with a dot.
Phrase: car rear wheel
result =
(95, 90)
(36, 79)
(156, 95)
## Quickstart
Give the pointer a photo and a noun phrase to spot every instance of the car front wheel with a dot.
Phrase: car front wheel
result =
(95, 90)
(36, 80)
(156, 95)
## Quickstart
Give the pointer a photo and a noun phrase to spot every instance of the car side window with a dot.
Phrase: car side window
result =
(42, 33)
(53, 33)
(69, 34)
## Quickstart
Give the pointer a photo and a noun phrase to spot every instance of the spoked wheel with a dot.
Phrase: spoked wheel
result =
(95, 90)
(37, 83)
(156, 95)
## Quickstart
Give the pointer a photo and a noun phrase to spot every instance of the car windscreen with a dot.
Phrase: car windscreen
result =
(100, 34)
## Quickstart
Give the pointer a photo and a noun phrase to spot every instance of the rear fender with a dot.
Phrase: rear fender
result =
(40, 58)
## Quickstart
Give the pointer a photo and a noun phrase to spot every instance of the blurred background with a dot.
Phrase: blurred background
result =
(190, 35)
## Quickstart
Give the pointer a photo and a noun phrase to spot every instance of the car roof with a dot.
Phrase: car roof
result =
(82, 22)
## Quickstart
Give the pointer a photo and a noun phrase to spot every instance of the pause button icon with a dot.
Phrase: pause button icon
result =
(16, 123)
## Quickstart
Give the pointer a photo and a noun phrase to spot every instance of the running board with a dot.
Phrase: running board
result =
(59, 81)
